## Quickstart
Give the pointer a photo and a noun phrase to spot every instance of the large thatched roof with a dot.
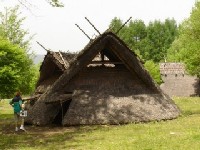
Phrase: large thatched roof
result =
(120, 90)
(120, 50)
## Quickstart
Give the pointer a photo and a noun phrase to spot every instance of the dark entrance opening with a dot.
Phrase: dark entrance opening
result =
(63, 109)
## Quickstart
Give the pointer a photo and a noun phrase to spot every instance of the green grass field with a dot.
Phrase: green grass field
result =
(182, 133)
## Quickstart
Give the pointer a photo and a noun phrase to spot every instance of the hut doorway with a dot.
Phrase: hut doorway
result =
(64, 106)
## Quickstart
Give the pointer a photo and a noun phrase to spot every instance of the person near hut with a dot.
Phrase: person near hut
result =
(17, 105)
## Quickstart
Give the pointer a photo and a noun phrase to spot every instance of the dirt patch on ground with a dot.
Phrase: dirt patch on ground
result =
(37, 130)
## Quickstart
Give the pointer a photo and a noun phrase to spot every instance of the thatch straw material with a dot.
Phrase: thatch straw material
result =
(94, 107)
(52, 67)
(177, 82)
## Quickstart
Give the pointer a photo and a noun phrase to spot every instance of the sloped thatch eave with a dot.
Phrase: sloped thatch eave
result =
(61, 98)
(117, 110)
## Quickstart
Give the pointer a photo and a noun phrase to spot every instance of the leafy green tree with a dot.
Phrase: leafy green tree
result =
(132, 34)
(154, 71)
(13, 65)
(11, 27)
(171, 32)
(150, 42)
(135, 33)
(159, 38)
(55, 3)
(155, 34)
(17, 68)
(115, 25)
(186, 48)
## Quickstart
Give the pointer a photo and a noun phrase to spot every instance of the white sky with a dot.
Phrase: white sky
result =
(55, 27)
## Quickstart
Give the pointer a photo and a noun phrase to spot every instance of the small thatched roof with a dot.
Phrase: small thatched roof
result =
(177, 82)
(60, 59)
(120, 94)
(57, 58)
(172, 68)
(52, 67)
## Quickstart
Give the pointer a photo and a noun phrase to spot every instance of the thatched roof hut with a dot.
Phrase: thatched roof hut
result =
(177, 82)
(52, 67)
(115, 89)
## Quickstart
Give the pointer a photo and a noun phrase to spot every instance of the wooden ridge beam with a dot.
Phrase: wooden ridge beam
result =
(106, 62)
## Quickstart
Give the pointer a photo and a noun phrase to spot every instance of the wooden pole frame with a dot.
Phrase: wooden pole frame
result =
(83, 31)
(65, 65)
(123, 25)
(42, 46)
(92, 25)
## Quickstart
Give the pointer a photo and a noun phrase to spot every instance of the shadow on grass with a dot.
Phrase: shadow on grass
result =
(48, 137)
(40, 137)
(190, 112)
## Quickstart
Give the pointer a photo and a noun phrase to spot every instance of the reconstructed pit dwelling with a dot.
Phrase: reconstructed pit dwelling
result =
(104, 84)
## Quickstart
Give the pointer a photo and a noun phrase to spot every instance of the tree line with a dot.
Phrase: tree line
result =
(150, 42)
(164, 41)
(155, 42)
(186, 46)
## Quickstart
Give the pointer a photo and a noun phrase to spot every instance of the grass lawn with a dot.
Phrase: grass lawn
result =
(178, 134)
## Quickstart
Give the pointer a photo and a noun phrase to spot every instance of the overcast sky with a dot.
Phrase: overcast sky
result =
(55, 27)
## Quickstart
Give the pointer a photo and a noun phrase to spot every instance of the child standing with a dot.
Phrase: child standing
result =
(17, 106)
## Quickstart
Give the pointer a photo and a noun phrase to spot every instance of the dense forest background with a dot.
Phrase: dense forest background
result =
(154, 42)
